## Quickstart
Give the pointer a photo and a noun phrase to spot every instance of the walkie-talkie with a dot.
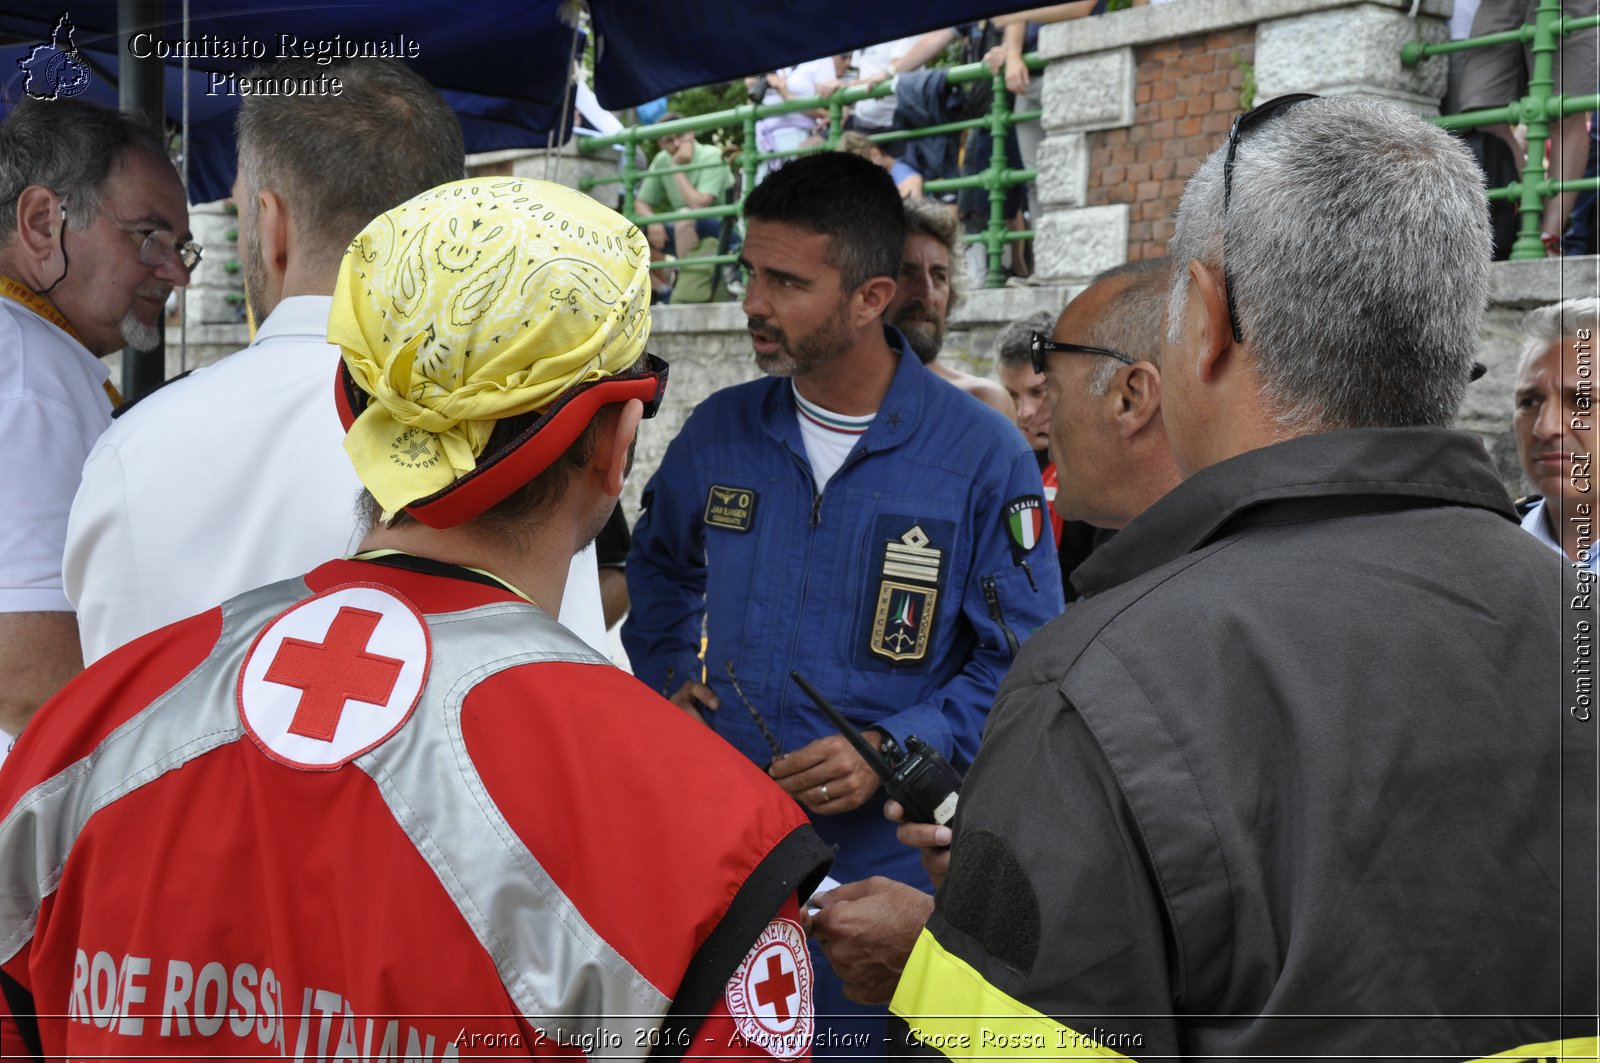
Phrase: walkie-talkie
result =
(919, 778)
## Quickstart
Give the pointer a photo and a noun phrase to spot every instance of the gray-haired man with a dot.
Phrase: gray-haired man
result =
(1291, 782)
(1553, 420)
(94, 237)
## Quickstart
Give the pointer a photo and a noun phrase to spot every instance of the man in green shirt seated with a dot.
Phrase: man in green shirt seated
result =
(686, 190)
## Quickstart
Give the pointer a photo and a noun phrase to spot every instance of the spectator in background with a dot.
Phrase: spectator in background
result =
(706, 185)
(789, 132)
(1554, 426)
(921, 98)
(1013, 357)
(907, 181)
(876, 64)
(1498, 75)
(928, 288)
(1581, 237)
(1002, 43)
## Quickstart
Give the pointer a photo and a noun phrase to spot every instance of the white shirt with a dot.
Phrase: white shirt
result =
(1535, 523)
(233, 478)
(829, 437)
(53, 406)
(878, 112)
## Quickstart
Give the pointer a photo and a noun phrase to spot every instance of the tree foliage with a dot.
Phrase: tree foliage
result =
(707, 99)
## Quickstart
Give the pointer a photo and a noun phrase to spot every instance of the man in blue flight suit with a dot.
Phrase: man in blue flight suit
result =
(853, 518)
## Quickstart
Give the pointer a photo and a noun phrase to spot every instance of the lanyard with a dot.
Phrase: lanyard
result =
(20, 293)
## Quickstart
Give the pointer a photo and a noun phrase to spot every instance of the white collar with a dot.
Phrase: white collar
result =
(298, 317)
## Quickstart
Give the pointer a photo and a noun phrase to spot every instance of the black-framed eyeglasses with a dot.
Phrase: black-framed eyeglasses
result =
(1040, 345)
(1241, 125)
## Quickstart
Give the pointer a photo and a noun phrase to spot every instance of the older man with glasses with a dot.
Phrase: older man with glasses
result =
(1300, 777)
(94, 235)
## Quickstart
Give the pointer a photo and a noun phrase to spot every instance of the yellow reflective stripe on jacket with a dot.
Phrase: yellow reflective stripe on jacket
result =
(1571, 1048)
(950, 1007)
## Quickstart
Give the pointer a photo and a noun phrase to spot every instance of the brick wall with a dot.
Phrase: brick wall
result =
(1185, 99)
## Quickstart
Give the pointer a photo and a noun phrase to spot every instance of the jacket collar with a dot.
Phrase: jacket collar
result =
(1304, 478)
(897, 417)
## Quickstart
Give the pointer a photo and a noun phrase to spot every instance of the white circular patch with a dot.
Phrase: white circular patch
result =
(334, 676)
(769, 995)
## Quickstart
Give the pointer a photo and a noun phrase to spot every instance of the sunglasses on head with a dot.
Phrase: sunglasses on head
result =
(1242, 125)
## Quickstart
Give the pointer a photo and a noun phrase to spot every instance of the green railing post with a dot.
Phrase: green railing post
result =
(1536, 116)
(1536, 111)
(994, 181)
(751, 157)
(630, 172)
(835, 122)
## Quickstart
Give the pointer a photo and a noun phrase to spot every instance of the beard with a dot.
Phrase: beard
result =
(138, 335)
(802, 354)
(255, 271)
(923, 334)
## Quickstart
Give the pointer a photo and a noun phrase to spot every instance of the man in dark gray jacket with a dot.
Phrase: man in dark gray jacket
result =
(1305, 774)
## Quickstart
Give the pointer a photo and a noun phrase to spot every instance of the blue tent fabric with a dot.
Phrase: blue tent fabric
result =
(504, 75)
(643, 50)
(503, 67)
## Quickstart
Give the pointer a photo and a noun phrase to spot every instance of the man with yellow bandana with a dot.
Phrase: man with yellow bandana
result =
(299, 808)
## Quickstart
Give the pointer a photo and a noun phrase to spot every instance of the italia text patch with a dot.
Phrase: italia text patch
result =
(730, 507)
(1024, 520)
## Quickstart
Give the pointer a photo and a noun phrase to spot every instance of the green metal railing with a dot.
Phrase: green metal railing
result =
(1541, 107)
(994, 179)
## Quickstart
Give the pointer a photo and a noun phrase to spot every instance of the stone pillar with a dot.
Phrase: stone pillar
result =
(1082, 94)
(1135, 99)
(1349, 50)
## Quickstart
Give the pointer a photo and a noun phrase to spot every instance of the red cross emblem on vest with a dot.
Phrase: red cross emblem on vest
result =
(776, 987)
(770, 995)
(334, 676)
(330, 673)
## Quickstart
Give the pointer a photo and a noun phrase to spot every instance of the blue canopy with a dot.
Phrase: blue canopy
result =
(502, 67)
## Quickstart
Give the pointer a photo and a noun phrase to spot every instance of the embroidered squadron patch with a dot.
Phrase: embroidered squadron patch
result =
(334, 676)
(1024, 518)
(730, 507)
(769, 996)
(903, 620)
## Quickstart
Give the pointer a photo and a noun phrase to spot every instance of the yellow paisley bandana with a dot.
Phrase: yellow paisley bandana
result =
(476, 301)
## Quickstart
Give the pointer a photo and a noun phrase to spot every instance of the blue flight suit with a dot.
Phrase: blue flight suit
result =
(901, 591)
